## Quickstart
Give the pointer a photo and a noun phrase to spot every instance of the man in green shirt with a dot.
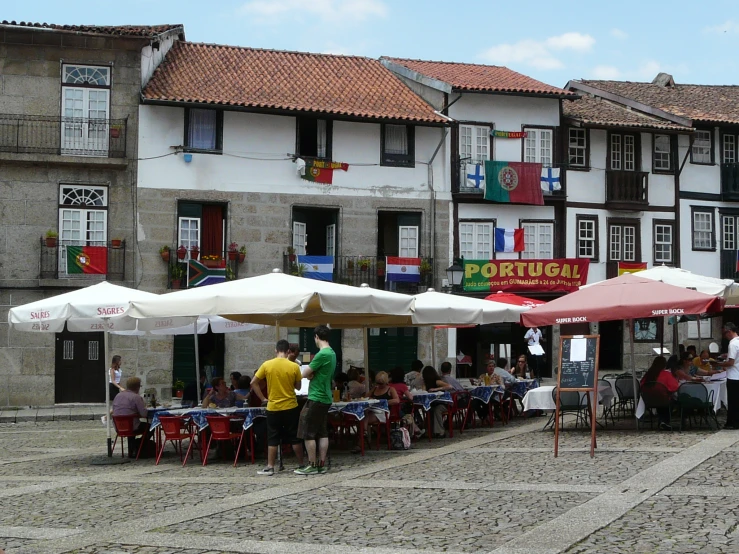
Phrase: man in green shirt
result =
(314, 416)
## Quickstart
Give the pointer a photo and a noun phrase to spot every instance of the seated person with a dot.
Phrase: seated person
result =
(502, 372)
(243, 389)
(220, 395)
(253, 399)
(397, 382)
(490, 377)
(446, 376)
(681, 369)
(355, 386)
(433, 383)
(235, 376)
(702, 365)
(381, 391)
(190, 394)
(414, 378)
(659, 372)
(521, 369)
(129, 402)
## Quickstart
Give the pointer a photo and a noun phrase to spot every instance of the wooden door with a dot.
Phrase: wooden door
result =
(80, 368)
(392, 346)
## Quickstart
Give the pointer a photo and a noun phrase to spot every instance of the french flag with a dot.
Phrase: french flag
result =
(737, 260)
(406, 270)
(509, 240)
(320, 268)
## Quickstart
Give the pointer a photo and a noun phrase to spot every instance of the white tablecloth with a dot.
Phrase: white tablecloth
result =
(541, 398)
(719, 396)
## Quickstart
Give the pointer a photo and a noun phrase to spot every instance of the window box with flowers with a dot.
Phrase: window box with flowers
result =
(211, 260)
(233, 251)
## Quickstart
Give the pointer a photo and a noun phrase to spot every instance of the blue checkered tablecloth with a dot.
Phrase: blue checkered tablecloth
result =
(357, 408)
(424, 400)
(522, 387)
(198, 415)
(486, 393)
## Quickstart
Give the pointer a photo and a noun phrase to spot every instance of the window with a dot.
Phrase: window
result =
(622, 152)
(189, 233)
(331, 240)
(474, 144)
(702, 229)
(623, 241)
(538, 146)
(203, 130)
(397, 147)
(702, 151)
(201, 225)
(538, 240)
(662, 153)
(476, 240)
(663, 242)
(728, 232)
(85, 110)
(299, 237)
(577, 148)
(83, 219)
(408, 241)
(729, 149)
(587, 237)
(314, 137)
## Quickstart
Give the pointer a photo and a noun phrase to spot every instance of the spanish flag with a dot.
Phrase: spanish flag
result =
(631, 267)
(87, 259)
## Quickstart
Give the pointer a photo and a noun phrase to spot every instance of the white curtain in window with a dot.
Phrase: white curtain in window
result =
(321, 138)
(396, 139)
(202, 131)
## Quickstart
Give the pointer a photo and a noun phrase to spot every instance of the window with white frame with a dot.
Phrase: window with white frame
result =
(622, 243)
(538, 240)
(476, 240)
(587, 237)
(622, 152)
(474, 143)
(408, 241)
(85, 110)
(702, 229)
(577, 150)
(300, 237)
(331, 240)
(701, 151)
(728, 232)
(729, 149)
(83, 215)
(538, 146)
(662, 156)
(189, 233)
(663, 241)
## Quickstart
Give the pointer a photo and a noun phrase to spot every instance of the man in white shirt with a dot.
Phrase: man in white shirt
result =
(533, 337)
(731, 364)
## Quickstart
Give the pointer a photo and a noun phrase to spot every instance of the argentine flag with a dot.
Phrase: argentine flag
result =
(320, 268)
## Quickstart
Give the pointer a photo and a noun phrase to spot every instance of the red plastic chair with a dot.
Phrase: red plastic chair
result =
(176, 429)
(457, 410)
(392, 417)
(220, 430)
(251, 444)
(125, 428)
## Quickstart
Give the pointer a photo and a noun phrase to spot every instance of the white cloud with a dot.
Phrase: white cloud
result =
(538, 54)
(729, 26)
(606, 72)
(276, 11)
(619, 34)
(648, 69)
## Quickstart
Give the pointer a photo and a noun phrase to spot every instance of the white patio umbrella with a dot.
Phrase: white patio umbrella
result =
(100, 307)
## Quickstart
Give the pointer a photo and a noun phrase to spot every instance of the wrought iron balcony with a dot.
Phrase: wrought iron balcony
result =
(76, 260)
(730, 182)
(626, 190)
(181, 276)
(67, 136)
(355, 270)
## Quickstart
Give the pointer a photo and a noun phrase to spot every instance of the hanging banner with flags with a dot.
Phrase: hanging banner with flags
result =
(318, 171)
(550, 179)
(513, 182)
(631, 267)
(509, 240)
(406, 270)
(200, 275)
(508, 134)
(87, 259)
(475, 175)
(320, 268)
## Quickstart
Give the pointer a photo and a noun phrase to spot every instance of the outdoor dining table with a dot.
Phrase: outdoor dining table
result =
(717, 388)
(483, 393)
(540, 398)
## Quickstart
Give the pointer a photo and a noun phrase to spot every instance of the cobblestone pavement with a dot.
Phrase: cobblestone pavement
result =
(487, 490)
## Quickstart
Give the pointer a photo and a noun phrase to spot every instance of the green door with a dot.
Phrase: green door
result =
(211, 347)
(392, 346)
(308, 344)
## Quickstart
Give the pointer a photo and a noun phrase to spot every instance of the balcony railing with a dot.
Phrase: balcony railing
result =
(355, 270)
(68, 136)
(728, 265)
(730, 181)
(61, 262)
(626, 190)
(178, 266)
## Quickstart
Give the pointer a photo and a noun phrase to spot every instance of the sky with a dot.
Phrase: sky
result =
(548, 40)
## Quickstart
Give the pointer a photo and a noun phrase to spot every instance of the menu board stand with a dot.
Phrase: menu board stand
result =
(578, 371)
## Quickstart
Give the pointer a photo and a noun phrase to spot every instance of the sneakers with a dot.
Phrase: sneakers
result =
(266, 471)
(301, 469)
(322, 469)
(665, 427)
(308, 470)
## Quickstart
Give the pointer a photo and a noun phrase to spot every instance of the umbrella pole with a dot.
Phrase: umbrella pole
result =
(633, 367)
(277, 331)
(197, 358)
(698, 321)
(106, 349)
(365, 337)
(433, 348)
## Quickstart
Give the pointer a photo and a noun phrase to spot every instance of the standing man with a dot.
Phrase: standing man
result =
(533, 337)
(282, 377)
(731, 364)
(313, 418)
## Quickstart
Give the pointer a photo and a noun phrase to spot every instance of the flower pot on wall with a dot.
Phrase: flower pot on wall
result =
(194, 253)
(165, 255)
(115, 243)
(232, 255)
(51, 242)
(242, 257)
(176, 283)
(211, 263)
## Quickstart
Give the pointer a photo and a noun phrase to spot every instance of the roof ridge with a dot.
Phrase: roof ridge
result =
(449, 63)
(255, 49)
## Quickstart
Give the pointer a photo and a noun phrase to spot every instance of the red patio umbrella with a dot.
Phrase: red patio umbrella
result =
(516, 300)
(625, 297)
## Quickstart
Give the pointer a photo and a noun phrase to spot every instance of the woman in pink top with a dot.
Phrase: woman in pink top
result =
(659, 373)
(397, 381)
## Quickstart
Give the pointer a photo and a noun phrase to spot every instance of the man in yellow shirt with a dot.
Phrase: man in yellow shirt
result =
(283, 379)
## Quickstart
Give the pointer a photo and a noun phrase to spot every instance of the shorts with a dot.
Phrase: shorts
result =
(313, 420)
(282, 427)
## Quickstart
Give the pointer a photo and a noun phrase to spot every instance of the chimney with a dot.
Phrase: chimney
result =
(664, 80)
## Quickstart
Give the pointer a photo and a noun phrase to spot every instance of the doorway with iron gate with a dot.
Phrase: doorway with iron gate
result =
(79, 368)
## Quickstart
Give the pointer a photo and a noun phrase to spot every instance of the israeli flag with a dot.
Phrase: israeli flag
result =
(320, 268)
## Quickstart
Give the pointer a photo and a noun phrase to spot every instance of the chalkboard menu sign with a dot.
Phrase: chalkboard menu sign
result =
(578, 361)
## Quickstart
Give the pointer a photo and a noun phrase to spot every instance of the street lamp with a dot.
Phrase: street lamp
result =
(455, 273)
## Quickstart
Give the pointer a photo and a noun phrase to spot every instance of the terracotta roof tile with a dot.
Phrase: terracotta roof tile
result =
(270, 79)
(114, 30)
(600, 112)
(483, 78)
(710, 103)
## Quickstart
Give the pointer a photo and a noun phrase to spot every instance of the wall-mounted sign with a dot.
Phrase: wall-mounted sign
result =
(508, 134)
(564, 275)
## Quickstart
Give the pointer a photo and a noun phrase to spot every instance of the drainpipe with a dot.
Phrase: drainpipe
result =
(430, 169)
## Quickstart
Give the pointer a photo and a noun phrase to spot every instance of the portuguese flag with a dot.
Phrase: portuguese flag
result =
(87, 259)
(322, 172)
(513, 182)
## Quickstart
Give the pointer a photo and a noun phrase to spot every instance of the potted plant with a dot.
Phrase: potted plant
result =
(364, 264)
(291, 254)
(233, 251)
(177, 273)
(115, 243)
(211, 260)
(298, 270)
(178, 388)
(242, 254)
(230, 274)
(164, 253)
(350, 265)
(195, 252)
(380, 268)
(181, 252)
(51, 237)
(425, 268)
